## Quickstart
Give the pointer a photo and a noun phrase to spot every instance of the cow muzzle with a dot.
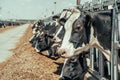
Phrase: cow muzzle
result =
(63, 53)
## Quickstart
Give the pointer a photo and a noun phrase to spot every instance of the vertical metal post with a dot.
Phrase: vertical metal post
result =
(119, 27)
(114, 51)
(101, 64)
(112, 48)
(97, 56)
(92, 58)
(109, 68)
(78, 2)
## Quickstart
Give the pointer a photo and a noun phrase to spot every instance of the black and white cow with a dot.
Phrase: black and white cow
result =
(58, 37)
(2, 25)
(43, 39)
(75, 67)
(53, 33)
(36, 30)
(88, 30)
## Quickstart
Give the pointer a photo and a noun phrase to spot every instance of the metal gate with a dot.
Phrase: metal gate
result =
(97, 59)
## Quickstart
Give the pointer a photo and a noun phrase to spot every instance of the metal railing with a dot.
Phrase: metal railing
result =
(95, 54)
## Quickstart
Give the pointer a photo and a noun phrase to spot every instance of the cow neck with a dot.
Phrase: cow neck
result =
(68, 30)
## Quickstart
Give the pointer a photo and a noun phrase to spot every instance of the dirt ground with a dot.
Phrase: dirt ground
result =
(26, 64)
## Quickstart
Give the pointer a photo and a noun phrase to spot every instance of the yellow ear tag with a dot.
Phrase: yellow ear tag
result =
(89, 24)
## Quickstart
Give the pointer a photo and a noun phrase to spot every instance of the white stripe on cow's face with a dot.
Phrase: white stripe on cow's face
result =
(56, 38)
(34, 31)
(58, 31)
(31, 38)
(61, 75)
(68, 14)
(63, 14)
(68, 28)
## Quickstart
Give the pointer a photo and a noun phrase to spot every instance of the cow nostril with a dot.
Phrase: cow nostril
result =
(63, 52)
(61, 78)
(54, 39)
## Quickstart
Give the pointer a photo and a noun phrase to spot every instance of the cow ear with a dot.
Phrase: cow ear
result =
(88, 17)
(55, 17)
(88, 20)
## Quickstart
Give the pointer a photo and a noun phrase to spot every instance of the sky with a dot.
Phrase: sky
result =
(33, 9)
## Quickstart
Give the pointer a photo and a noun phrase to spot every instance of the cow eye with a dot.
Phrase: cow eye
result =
(73, 60)
(79, 27)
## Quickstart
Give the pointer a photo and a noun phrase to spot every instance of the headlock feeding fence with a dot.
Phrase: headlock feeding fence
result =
(97, 59)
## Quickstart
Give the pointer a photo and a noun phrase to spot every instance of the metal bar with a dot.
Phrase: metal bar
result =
(115, 48)
(119, 27)
(109, 69)
(97, 56)
(101, 64)
(92, 58)
(114, 51)
(95, 74)
(112, 44)
(78, 2)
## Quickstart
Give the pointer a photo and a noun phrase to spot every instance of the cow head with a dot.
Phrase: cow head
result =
(75, 35)
(78, 34)
(60, 32)
(74, 68)
(87, 32)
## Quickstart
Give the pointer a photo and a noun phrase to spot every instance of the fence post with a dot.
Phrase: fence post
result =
(114, 50)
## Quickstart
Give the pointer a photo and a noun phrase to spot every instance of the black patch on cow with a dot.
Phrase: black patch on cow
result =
(102, 24)
(87, 25)
(62, 21)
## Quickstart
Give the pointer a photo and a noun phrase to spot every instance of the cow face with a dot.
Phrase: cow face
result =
(40, 43)
(78, 35)
(74, 68)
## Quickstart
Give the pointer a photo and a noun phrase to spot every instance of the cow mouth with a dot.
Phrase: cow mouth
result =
(63, 53)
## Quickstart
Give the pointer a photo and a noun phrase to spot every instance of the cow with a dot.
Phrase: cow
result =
(88, 30)
(51, 33)
(74, 68)
(65, 14)
(2, 25)
(37, 27)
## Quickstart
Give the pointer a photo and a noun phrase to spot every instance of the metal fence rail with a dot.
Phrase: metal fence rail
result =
(96, 57)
